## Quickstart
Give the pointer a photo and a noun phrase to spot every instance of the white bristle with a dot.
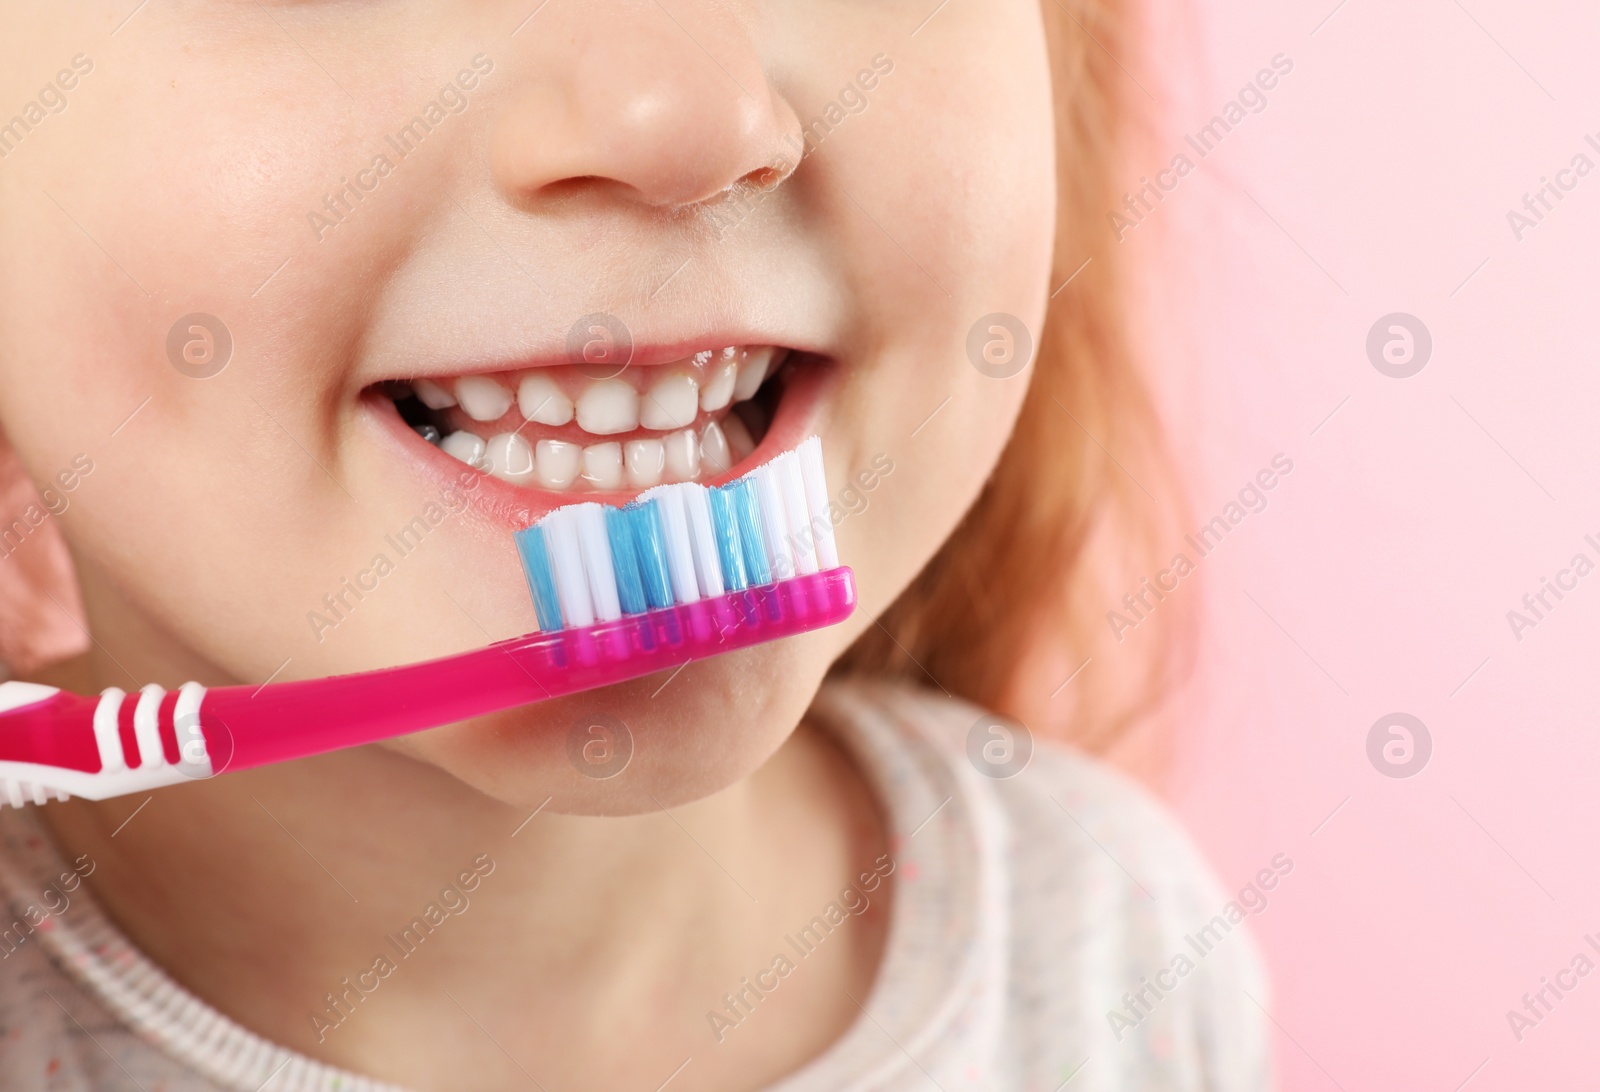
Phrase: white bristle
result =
(774, 524)
(566, 565)
(597, 562)
(802, 540)
(707, 564)
(680, 550)
(574, 551)
(815, 477)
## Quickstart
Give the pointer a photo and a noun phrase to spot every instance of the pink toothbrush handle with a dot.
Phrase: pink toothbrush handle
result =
(54, 744)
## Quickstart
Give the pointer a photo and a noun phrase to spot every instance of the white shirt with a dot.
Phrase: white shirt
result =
(1039, 934)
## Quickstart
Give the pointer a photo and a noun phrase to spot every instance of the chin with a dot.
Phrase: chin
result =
(637, 747)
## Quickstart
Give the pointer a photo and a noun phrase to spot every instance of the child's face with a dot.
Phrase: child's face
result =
(260, 163)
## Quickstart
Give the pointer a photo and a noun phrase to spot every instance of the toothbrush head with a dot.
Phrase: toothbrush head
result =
(674, 545)
(686, 571)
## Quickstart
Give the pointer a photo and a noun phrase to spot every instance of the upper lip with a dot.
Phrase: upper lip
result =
(646, 355)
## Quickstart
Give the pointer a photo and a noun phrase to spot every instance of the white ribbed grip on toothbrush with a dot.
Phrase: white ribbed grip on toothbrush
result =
(29, 783)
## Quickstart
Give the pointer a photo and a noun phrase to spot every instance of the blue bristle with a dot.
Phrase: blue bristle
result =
(625, 562)
(652, 553)
(729, 550)
(536, 567)
(747, 516)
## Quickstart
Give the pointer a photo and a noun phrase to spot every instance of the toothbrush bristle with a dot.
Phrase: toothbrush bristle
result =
(675, 544)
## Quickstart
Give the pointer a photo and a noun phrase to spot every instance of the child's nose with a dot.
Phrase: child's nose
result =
(670, 113)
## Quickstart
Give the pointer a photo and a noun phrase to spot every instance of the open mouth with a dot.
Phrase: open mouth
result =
(582, 428)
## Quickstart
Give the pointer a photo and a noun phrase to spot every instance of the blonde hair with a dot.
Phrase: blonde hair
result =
(1015, 600)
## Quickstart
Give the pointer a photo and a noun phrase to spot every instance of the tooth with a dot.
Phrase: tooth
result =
(432, 395)
(714, 454)
(646, 459)
(740, 445)
(671, 403)
(683, 456)
(557, 463)
(718, 391)
(752, 373)
(482, 398)
(541, 401)
(466, 446)
(607, 407)
(429, 433)
(510, 458)
(602, 465)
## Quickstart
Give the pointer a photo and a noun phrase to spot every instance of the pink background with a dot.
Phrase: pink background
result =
(1379, 577)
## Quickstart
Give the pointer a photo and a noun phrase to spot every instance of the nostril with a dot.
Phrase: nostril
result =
(764, 178)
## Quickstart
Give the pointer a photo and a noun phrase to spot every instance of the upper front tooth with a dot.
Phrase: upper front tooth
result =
(752, 373)
(482, 398)
(602, 465)
(432, 395)
(510, 458)
(557, 463)
(718, 391)
(671, 403)
(541, 401)
(607, 407)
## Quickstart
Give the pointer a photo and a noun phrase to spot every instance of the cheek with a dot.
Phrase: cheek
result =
(214, 491)
(951, 212)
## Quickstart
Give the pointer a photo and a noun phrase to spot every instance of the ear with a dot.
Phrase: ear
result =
(41, 610)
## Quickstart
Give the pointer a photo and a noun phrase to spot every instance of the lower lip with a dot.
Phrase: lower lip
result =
(805, 393)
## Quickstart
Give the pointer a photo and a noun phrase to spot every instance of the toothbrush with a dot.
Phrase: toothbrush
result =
(681, 573)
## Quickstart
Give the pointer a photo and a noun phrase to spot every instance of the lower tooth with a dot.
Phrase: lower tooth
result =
(510, 458)
(740, 445)
(715, 456)
(428, 433)
(466, 446)
(557, 463)
(683, 456)
(602, 465)
(646, 459)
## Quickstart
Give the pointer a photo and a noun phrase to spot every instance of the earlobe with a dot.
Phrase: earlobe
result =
(41, 611)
